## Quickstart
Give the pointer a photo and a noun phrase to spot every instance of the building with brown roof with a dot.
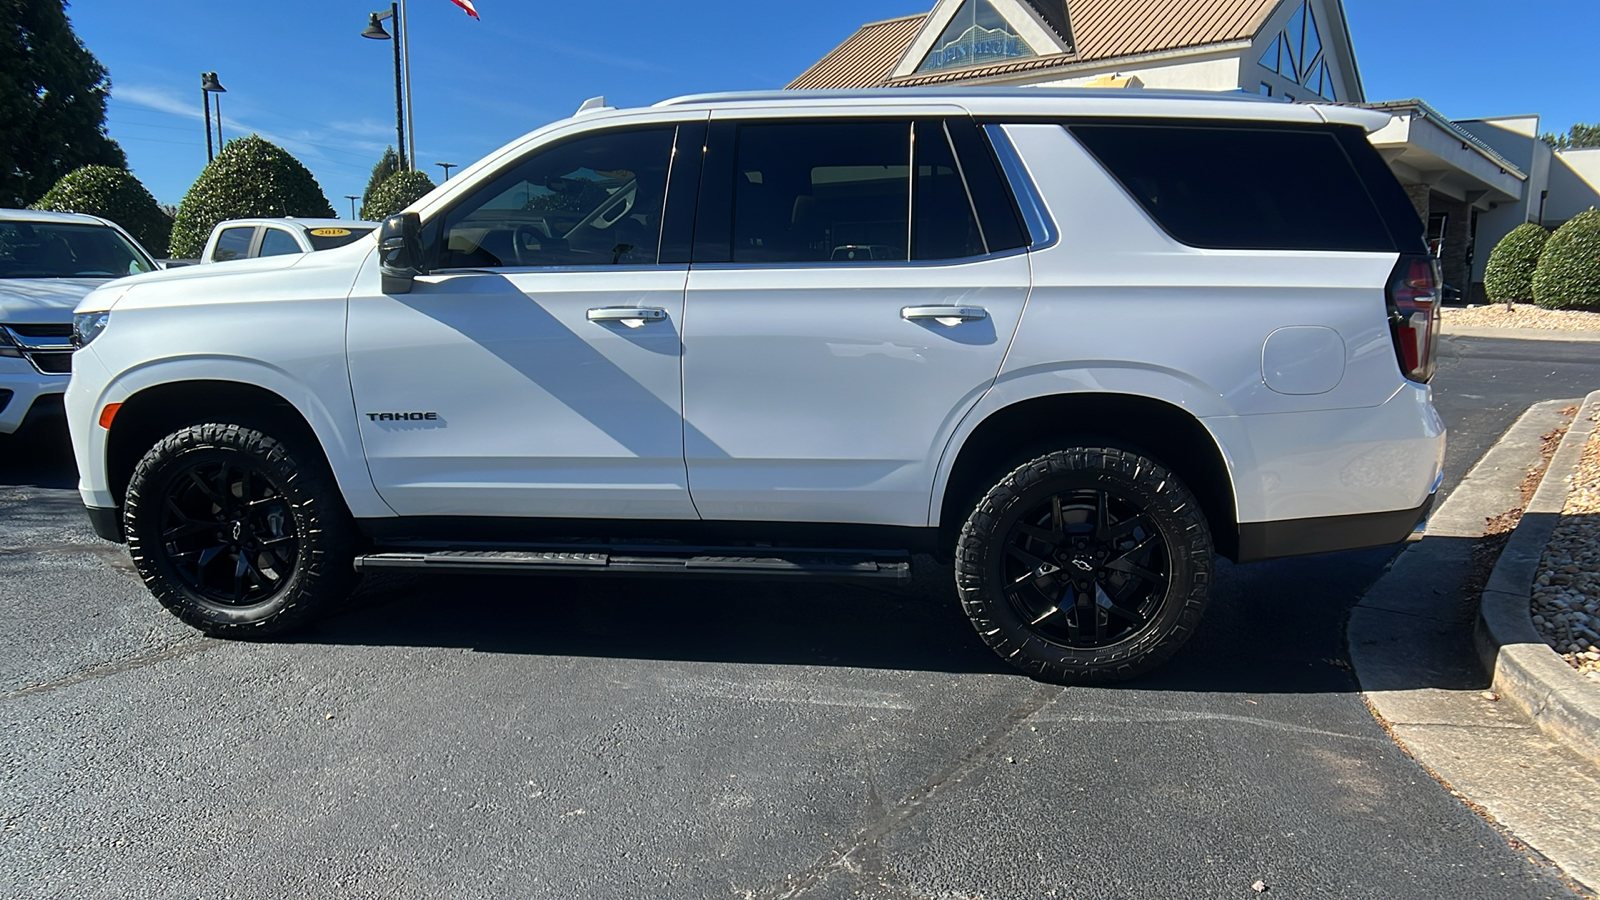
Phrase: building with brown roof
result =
(1471, 181)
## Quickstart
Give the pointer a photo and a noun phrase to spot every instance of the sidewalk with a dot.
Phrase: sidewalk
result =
(1412, 643)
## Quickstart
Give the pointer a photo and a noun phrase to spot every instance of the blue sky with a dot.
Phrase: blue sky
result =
(298, 72)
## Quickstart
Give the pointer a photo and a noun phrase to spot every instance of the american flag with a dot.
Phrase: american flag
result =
(467, 5)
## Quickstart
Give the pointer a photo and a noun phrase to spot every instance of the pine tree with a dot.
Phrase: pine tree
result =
(387, 166)
(52, 102)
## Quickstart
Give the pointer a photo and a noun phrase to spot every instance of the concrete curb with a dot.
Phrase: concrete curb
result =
(1525, 670)
(1521, 334)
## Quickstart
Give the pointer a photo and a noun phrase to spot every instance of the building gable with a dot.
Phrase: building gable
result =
(968, 34)
(1304, 52)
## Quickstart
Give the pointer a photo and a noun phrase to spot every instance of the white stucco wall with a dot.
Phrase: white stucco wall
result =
(1217, 73)
(1574, 184)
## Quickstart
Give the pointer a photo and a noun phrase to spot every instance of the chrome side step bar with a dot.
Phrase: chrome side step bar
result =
(697, 562)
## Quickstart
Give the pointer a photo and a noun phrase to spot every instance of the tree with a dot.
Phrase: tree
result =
(387, 166)
(250, 177)
(111, 194)
(52, 102)
(1580, 137)
(400, 191)
(1509, 275)
(1569, 269)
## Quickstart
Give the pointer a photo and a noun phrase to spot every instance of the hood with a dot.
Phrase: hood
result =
(43, 301)
(215, 270)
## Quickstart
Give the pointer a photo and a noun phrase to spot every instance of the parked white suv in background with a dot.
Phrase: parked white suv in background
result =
(1076, 342)
(48, 262)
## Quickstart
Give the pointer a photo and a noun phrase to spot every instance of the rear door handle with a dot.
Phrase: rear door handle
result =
(631, 316)
(945, 315)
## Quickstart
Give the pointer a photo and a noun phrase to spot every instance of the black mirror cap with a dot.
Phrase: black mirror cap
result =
(400, 252)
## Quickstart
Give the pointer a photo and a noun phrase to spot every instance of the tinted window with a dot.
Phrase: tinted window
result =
(822, 192)
(329, 238)
(997, 209)
(1243, 187)
(277, 242)
(593, 201)
(66, 250)
(944, 225)
(233, 243)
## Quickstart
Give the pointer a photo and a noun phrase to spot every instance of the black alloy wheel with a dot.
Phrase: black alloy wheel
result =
(1087, 564)
(1086, 568)
(228, 532)
(236, 533)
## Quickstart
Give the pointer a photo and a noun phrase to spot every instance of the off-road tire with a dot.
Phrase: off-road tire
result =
(301, 492)
(1167, 516)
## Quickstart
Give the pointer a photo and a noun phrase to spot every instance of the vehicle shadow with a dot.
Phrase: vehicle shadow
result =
(1274, 627)
(39, 454)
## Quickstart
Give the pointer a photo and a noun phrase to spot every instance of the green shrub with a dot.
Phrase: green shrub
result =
(250, 177)
(399, 191)
(1509, 275)
(1568, 276)
(111, 194)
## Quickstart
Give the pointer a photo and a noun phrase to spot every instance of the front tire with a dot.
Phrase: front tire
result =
(1085, 565)
(237, 535)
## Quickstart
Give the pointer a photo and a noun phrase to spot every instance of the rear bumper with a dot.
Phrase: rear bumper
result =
(1303, 537)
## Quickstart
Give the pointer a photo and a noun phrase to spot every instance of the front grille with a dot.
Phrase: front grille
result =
(52, 363)
(48, 347)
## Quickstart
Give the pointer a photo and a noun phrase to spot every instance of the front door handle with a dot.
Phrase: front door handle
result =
(631, 316)
(945, 315)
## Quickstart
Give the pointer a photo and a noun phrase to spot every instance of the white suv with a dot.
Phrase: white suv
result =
(1076, 342)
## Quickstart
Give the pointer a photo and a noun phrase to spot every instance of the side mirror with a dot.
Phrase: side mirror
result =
(400, 252)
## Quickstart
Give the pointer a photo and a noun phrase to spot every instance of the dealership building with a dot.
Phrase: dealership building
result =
(1472, 181)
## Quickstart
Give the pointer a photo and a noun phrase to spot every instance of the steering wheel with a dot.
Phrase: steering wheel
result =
(521, 237)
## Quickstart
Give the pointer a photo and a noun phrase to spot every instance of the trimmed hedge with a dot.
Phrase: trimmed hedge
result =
(1568, 276)
(113, 194)
(397, 192)
(250, 177)
(1509, 275)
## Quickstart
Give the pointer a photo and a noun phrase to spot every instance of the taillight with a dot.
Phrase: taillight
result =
(1414, 291)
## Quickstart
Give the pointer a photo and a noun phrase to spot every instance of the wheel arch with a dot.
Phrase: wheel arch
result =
(1014, 433)
(155, 410)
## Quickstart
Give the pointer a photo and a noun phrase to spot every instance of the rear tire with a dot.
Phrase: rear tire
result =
(236, 534)
(1089, 564)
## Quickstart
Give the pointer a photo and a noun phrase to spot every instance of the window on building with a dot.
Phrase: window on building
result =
(277, 242)
(1266, 89)
(1296, 53)
(1243, 188)
(593, 201)
(978, 35)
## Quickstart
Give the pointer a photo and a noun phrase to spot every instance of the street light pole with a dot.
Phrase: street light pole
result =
(404, 27)
(376, 32)
(208, 86)
(447, 167)
(352, 198)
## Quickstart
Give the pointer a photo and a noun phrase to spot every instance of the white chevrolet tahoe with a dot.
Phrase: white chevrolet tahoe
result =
(1077, 343)
(48, 262)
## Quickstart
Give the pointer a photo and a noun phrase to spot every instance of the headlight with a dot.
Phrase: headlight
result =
(87, 326)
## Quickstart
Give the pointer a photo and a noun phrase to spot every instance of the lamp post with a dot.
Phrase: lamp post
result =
(447, 167)
(210, 85)
(402, 81)
(352, 198)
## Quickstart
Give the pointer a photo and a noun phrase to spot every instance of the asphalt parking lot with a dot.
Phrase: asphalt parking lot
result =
(494, 737)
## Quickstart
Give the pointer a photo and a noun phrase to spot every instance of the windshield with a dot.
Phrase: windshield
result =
(329, 238)
(67, 250)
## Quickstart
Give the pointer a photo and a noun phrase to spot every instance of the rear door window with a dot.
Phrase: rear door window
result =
(1242, 187)
(277, 242)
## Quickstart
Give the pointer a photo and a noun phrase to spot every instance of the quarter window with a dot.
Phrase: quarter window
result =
(1243, 187)
(591, 201)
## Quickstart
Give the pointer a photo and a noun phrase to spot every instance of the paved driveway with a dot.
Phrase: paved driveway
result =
(492, 737)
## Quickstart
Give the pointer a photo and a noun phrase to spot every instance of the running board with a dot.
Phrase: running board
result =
(699, 562)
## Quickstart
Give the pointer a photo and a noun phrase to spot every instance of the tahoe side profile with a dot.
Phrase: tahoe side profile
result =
(1076, 343)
